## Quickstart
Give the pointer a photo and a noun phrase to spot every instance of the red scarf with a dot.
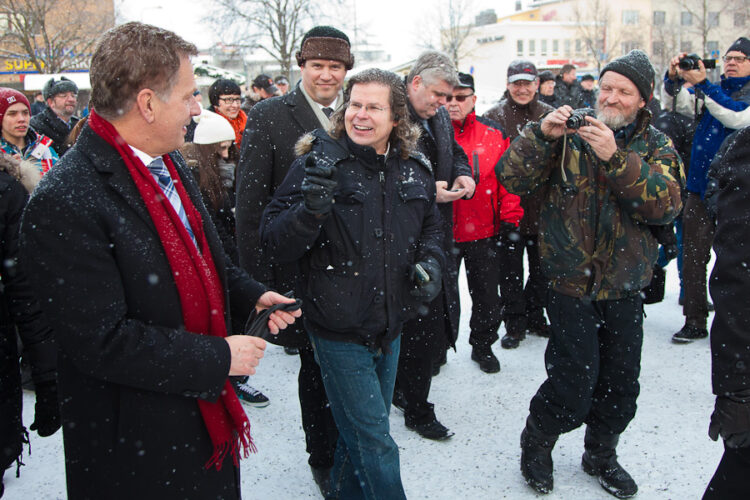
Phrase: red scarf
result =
(198, 285)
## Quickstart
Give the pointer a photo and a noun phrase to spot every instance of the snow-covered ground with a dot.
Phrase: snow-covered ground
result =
(665, 448)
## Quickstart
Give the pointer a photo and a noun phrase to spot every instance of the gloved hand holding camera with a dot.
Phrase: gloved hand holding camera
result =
(46, 410)
(428, 278)
(319, 184)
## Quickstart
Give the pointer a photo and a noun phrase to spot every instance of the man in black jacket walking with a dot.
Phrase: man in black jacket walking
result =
(57, 119)
(358, 214)
(273, 126)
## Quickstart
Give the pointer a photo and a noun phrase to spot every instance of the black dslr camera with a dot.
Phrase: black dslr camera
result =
(578, 117)
(691, 61)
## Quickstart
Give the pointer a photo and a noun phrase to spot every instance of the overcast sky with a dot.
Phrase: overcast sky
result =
(395, 24)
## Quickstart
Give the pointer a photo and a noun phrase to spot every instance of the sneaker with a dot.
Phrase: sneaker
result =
(511, 341)
(487, 361)
(251, 396)
(292, 351)
(612, 476)
(688, 334)
(431, 430)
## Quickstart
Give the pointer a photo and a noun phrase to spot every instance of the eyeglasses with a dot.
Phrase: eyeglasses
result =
(231, 100)
(370, 109)
(738, 59)
(458, 98)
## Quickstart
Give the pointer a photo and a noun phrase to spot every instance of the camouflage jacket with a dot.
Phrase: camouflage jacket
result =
(594, 235)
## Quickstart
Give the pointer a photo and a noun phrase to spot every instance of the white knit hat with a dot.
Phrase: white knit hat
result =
(212, 128)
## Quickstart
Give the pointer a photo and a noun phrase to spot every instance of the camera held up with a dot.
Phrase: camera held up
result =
(578, 117)
(691, 61)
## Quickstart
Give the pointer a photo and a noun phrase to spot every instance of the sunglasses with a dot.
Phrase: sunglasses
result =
(458, 98)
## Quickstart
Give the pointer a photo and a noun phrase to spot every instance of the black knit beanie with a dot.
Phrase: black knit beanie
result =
(546, 76)
(222, 87)
(742, 44)
(325, 42)
(636, 67)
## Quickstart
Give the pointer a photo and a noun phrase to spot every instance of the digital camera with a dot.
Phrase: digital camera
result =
(578, 117)
(691, 61)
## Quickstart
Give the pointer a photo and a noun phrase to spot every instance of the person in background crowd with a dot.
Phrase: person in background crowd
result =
(18, 139)
(723, 110)
(547, 87)
(730, 330)
(19, 312)
(262, 88)
(282, 84)
(38, 105)
(484, 226)
(193, 123)
(127, 264)
(57, 119)
(588, 91)
(567, 88)
(524, 311)
(273, 127)
(425, 340)
(358, 213)
(598, 260)
(226, 98)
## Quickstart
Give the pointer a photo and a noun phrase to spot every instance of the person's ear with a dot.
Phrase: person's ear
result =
(145, 102)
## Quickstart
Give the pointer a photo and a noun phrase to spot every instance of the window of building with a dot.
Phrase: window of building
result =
(532, 47)
(579, 46)
(686, 46)
(713, 19)
(629, 17)
(686, 18)
(660, 18)
(658, 48)
(628, 46)
(519, 47)
(567, 45)
(555, 47)
(543, 50)
(739, 19)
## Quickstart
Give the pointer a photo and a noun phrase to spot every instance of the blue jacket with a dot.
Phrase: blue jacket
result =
(722, 103)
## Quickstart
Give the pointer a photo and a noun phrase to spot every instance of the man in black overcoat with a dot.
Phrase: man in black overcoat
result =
(135, 384)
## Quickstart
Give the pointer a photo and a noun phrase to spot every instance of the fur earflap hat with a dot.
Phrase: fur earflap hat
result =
(325, 42)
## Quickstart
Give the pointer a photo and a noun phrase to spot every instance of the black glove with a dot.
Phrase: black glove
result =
(509, 233)
(427, 289)
(731, 421)
(319, 184)
(46, 410)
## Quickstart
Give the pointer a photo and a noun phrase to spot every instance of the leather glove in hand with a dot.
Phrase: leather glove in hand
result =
(731, 421)
(427, 290)
(509, 233)
(319, 184)
(46, 410)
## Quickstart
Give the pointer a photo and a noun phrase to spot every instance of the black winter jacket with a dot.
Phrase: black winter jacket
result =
(355, 262)
(47, 123)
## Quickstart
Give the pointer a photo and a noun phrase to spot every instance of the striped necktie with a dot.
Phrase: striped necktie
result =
(159, 170)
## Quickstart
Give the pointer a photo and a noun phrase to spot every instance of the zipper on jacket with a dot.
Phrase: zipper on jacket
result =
(385, 242)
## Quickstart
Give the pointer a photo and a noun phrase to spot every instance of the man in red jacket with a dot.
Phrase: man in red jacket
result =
(485, 226)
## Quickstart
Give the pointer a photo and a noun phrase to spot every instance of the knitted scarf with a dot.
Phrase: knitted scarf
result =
(198, 285)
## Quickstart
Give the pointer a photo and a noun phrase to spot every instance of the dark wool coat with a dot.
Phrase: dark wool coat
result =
(273, 127)
(356, 260)
(129, 375)
(448, 162)
(512, 117)
(730, 279)
(47, 123)
(18, 310)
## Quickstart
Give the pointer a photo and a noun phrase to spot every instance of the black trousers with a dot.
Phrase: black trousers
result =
(730, 481)
(537, 286)
(593, 360)
(421, 341)
(697, 238)
(483, 277)
(510, 264)
(317, 421)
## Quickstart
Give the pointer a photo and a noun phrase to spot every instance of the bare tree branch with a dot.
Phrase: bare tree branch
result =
(52, 35)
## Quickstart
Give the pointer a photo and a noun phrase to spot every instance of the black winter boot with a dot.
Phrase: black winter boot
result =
(600, 460)
(536, 457)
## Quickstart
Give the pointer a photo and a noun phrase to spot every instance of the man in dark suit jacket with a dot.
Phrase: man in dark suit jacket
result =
(273, 127)
(429, 83)
(125, 261)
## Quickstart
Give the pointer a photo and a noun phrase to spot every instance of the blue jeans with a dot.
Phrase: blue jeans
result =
(359, 383)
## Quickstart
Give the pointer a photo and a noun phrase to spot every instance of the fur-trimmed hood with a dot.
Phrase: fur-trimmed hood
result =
(304, 144)
(22, 170)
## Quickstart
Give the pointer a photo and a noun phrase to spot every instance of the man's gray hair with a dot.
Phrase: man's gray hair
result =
(433, 65)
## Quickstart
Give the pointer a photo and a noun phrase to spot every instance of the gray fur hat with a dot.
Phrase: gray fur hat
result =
(54, 87)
